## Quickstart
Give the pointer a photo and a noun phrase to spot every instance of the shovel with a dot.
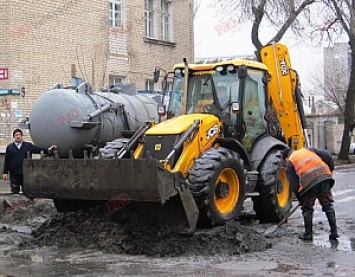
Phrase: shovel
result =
(272, 229)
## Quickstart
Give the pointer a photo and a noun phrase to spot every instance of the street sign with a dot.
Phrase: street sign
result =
(4, 73)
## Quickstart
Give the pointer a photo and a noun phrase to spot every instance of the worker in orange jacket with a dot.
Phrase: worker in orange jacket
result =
(310, 173)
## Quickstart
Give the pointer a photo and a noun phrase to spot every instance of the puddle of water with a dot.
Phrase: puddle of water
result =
(16, 228)
(44, 262)
(342, 243)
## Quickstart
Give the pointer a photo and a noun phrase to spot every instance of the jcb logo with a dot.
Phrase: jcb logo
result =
(283, 66)
(211, 132)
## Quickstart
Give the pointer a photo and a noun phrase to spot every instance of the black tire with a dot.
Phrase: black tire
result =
(217, 183)
(111, 148)
(275, 196)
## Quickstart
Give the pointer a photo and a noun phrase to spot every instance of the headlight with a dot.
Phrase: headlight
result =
(230, 67)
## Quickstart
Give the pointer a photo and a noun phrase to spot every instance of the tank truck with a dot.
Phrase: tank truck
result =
(79, 119)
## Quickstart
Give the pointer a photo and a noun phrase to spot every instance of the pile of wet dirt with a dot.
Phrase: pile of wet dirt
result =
(19, 216)
(19, 210)
(131, 232)
(128, 231)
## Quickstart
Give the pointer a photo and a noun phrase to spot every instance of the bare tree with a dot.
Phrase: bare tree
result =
(331, 86)
(96, 71)
(280, 14)
(334, 89)
(343, 21)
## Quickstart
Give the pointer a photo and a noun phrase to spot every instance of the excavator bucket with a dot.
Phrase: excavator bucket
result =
(123, 180)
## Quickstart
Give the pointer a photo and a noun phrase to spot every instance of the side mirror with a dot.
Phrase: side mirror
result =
(235, 107)
(266, 79)
(156, 74)
(161, 110)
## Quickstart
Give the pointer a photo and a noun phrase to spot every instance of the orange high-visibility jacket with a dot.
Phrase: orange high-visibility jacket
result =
(310, 168)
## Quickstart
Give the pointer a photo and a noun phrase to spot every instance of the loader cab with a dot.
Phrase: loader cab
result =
(208, 92)
(234, 92)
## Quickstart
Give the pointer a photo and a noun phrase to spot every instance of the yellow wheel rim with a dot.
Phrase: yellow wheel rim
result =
(227, 191)
(283, 188)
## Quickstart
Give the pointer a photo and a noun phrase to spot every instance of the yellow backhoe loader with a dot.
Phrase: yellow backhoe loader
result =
(227, 124)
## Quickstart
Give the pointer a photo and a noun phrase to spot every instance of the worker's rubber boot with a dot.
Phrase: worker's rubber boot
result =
(333, 225)
(308, 226)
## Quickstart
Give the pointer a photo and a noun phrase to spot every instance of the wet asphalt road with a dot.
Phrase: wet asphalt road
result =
(287, 257)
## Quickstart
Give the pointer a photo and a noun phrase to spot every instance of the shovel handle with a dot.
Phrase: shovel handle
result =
(272, 229)
(288, 216)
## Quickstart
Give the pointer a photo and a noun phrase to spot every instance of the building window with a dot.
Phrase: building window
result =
(149, 85)
(11, 91)
(115, 80)
(115, 13)
(149, 18)
(166, 20)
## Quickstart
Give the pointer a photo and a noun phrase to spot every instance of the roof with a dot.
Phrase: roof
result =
(211, 66)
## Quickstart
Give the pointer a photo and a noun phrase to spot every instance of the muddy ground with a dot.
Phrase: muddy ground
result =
(127, 231)
(35, 240)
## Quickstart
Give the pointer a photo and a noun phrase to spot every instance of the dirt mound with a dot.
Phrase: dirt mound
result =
(128, 231)
(131, 232)
(19, 210)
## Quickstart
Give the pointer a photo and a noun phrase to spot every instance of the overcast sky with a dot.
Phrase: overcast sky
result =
(220, 38)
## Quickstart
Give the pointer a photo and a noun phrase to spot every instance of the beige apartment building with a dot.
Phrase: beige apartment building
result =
(98, 41)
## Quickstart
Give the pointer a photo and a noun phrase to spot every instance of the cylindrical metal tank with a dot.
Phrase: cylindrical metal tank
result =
(74, 120)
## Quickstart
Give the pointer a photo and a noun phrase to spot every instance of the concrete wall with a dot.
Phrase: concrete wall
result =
(325, 132)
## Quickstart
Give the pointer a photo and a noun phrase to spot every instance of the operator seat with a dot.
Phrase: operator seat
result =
(205, 100)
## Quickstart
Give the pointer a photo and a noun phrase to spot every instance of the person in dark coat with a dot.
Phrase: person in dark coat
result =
(16, 152)
(310, 173)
